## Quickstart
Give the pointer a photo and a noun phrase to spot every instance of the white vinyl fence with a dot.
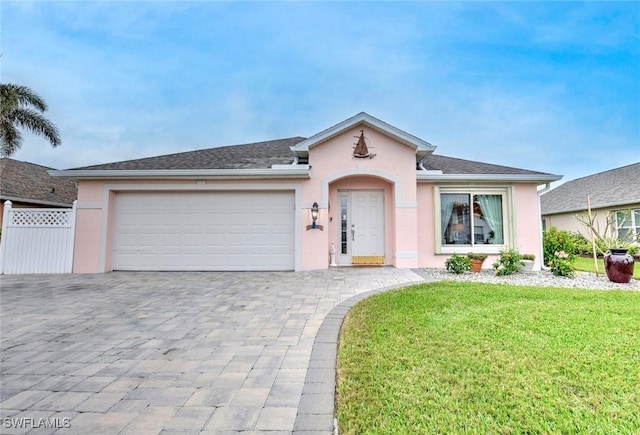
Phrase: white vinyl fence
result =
(37, 240)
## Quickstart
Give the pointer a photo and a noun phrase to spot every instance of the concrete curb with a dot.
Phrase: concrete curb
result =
(317, 403)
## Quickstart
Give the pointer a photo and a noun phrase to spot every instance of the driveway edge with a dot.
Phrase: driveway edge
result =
(317, 403)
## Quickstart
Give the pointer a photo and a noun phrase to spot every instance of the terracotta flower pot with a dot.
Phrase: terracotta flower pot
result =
(618, 265)
(476, 265)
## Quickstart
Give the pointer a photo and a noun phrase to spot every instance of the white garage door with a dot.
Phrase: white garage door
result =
(204, 231)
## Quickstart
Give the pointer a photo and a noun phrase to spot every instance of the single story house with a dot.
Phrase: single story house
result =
(28, 185)
(361, 192)
(615, 191)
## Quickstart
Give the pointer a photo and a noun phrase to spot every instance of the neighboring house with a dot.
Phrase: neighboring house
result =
(28, 185)
(616, 191)
(380, 196)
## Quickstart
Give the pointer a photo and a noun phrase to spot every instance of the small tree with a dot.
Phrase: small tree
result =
(606, 238)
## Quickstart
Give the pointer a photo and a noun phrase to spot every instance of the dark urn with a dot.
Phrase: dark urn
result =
(618, 265)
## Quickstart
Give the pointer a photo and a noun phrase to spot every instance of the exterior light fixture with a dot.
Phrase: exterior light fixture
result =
(315, 211)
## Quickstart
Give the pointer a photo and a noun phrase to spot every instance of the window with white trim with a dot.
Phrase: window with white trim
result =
(628, 224)
(476, 219)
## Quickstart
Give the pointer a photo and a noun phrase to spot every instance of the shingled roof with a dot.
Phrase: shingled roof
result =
(30, 183)
(451, 165)
(262, 155)
(616, 187)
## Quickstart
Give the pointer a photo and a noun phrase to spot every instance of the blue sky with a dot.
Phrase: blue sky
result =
(547, 86)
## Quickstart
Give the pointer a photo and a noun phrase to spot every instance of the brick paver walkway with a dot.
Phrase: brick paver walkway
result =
(172, 352)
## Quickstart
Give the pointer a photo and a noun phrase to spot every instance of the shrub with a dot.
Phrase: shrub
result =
(581, 245)
(508, 263)
(474, 256)
(458, 264)
(554, 241)
(530, 257)
(562, 264)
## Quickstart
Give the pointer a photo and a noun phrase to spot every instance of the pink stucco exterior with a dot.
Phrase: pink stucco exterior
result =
(411, 214)
(392, 170)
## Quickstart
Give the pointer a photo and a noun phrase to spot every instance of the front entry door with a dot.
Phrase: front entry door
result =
(361, 229)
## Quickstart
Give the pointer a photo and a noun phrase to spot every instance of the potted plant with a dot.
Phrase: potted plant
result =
(476, 261)
(527, 261)
(618, 263)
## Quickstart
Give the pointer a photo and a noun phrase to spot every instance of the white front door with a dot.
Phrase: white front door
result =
(361, 226)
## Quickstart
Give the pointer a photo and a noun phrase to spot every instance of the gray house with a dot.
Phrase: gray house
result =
(615, 191)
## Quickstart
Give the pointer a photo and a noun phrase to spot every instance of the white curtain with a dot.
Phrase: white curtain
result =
(447, 201)
(491, 206)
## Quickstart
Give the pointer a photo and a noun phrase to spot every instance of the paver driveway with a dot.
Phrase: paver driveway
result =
(169, 352)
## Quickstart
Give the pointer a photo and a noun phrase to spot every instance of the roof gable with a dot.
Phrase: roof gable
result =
(611, 188)
(422, 147)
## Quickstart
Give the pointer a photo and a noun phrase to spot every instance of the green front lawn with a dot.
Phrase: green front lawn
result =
(586, 265)
(478, 358)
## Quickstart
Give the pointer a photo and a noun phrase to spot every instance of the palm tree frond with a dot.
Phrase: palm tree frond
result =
(10, 138)
(20, 107)
(21, 96)
(37, 124)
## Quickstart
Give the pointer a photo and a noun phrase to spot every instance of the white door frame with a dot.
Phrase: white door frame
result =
(347, 226)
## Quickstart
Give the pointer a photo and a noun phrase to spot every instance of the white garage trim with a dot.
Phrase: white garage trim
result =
(110, 189)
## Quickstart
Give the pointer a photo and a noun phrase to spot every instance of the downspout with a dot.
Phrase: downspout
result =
(421, 162)
(540, 232)
(295, 155)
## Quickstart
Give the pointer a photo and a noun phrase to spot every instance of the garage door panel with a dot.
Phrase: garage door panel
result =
(204, 231)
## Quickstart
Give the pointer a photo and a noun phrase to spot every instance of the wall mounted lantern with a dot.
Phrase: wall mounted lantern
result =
(315, 210)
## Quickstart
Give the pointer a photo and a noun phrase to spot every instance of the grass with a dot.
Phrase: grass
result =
(478, 358)
(586, 265)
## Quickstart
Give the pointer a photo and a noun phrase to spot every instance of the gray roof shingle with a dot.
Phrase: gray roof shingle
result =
(618, 186)
(29, 182)
(262, 155)
(452, 165)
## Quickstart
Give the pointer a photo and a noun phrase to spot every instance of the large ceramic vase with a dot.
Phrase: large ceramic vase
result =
(618, 265)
